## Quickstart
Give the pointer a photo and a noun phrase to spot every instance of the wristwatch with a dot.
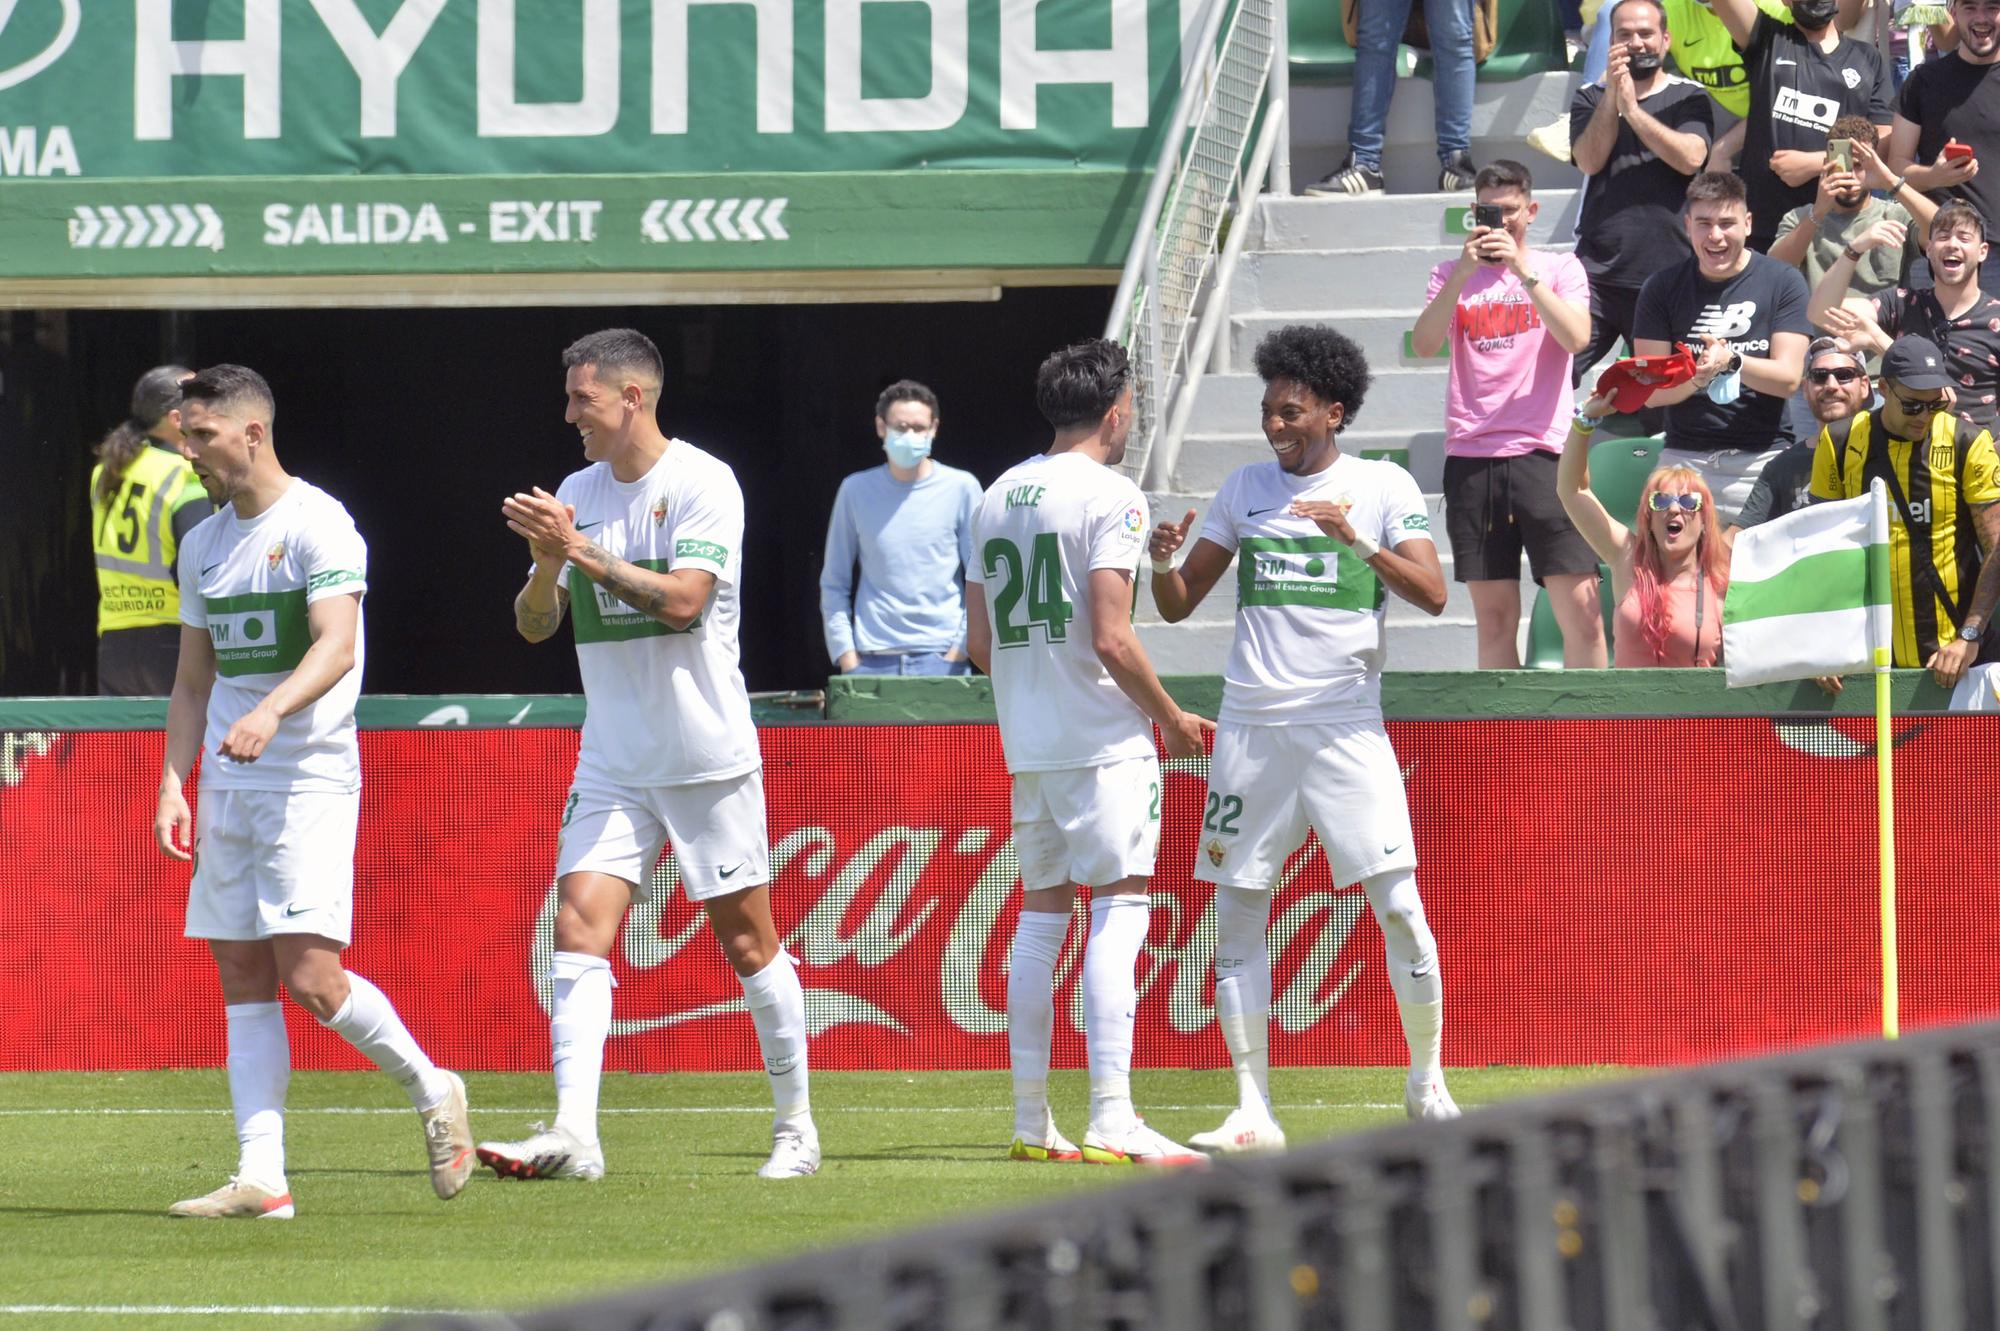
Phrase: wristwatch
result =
(1971, 632)
(1735, 363)
(1530, 282)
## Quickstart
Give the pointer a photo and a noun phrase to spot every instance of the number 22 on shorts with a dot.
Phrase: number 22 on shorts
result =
(1222, 813)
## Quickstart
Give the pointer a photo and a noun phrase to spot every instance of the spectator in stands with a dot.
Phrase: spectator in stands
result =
(1944, 514)
(1957, 314)
(908, 523)
(1377, 34)
(1955, 97)
(1836, 387)
(1804, 75)
(1745, 314)
(1514, 318)
(1812, 238)
(1640, 135)
(144, 500)
(1669, 571)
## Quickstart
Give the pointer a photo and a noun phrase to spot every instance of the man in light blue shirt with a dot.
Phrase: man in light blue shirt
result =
(909, 524)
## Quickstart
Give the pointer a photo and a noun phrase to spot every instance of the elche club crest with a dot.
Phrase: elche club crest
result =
(660, 513)
(275, 556)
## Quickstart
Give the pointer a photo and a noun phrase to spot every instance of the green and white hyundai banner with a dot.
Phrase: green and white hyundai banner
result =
(1809, 593)
(236, 137)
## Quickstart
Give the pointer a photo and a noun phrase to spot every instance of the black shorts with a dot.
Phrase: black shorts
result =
(1494, 508)
(138, 663)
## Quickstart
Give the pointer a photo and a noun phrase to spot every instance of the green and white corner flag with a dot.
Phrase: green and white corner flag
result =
(1809, 593)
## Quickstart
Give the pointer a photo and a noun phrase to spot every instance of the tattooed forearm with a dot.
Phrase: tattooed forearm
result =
(534, 624)
(619, 578)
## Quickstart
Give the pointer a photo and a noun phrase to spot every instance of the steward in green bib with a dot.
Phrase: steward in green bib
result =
(144, 497)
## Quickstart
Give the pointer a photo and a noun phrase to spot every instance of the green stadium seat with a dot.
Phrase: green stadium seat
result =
(1530, 42)
(1618, 472)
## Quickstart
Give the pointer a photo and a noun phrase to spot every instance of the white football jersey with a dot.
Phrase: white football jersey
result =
(248, 584)
(1309, 635)
(663, 707)
(1039, 532)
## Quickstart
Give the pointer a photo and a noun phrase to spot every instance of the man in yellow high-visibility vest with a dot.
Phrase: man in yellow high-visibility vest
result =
(144, 497)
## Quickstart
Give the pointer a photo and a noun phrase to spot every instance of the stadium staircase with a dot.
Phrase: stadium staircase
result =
(1361, 266)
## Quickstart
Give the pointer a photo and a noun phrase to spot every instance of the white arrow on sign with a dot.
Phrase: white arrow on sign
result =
(713, 219)
(153, 225)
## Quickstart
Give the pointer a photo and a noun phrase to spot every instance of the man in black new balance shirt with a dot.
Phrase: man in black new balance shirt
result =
(1640, 135)
(1803, 77)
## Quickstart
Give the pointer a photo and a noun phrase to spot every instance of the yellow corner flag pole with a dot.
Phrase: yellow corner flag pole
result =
(1880, 627)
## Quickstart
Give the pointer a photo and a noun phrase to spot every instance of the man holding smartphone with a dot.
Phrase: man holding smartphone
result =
(1948, 118)
(1514, 318)
(1812, 238)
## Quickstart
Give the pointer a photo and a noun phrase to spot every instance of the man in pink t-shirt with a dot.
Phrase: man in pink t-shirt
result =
(1514, 319)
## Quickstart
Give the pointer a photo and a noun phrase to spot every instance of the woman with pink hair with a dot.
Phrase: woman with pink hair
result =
(1669, 570)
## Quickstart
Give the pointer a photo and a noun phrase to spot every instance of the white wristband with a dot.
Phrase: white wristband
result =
(1162, 565)
(1363, 548)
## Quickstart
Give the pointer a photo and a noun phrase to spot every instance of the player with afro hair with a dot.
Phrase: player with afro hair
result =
(1327, 362)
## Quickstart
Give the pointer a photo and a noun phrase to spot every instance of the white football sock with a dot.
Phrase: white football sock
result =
(260, 1070)
(1110, 993)
(1031, 1014)
(777, 1003)
(368, 1021)
(1411, 954)
(1243, 989)
(579, 1022)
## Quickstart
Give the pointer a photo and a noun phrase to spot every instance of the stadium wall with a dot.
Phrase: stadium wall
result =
(1623, 868)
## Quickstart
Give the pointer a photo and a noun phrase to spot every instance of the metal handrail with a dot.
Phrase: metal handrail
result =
(1160, 460)
(1200, 176)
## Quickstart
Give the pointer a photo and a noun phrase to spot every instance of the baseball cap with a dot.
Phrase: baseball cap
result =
(1915, 362)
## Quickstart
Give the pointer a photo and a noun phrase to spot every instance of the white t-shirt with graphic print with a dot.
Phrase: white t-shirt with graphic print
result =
(1309, 615)
(1039, 532)
(248, 584)
(663, 707)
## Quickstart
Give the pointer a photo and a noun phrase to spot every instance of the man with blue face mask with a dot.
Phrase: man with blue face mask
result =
(908, 526)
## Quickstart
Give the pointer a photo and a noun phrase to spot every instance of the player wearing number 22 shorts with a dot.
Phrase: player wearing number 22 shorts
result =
(1056, 545)
(1320, 538)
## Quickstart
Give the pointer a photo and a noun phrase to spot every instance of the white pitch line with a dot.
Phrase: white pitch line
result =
(54, 1112)
(215, 1309)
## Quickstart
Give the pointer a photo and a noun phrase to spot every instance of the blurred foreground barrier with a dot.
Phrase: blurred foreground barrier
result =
(1849, 1187)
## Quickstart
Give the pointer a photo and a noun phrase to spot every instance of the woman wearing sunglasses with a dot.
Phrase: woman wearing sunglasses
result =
(1668, 571)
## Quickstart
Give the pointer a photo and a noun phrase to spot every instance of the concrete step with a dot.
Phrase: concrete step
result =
(1303, 222)
(1205, 461)
(1400, 401)
(1384, 335)
(1333, 281)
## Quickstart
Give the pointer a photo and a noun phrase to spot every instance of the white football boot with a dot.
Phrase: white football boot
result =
(794, 1154)
(1426, 1099)
(1140, 1146)
(448, 1140)
(238, 1199)
(1246, 1129)
(550, 1153)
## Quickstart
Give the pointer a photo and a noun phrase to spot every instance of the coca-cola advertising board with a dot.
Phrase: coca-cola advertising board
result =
(1623, 891)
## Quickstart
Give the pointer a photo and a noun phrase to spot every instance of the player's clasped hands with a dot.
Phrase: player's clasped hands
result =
(545, 522)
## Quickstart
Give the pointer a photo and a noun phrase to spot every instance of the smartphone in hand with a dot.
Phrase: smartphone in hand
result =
(1488, 214)
(1954, 151)
(1841, 153)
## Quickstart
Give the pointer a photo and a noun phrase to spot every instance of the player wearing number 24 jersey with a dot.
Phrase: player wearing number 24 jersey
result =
(1320, 538)
(1049, 616)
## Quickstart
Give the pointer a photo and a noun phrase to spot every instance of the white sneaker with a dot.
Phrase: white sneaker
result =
(1245, 1129)
(238, 1199)
(550, 1153)
(1048, 1146)
(1428, 1101)
(794, 1154)
(448, 1139)
(1140, 1146)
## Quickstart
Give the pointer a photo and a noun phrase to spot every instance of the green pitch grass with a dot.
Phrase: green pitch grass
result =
(97, 1158)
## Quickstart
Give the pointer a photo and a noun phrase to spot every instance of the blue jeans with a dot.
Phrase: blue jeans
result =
(1597, 58)
(1377, 34)
(909, 663)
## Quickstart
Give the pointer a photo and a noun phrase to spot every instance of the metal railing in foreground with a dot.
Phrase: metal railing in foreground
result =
(1851, 1186)
(1200, 177)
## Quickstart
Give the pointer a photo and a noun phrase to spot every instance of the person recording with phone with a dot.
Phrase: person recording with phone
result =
(1812, 238)
(1948, 119)
(1514, 318)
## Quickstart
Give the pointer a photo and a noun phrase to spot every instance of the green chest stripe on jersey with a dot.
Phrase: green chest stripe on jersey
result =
(259, 633)
(602, 617)
(1304, 570)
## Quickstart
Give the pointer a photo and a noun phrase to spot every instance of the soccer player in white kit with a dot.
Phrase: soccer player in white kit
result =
(644, 546)
(1319, 538)
(270, 666)
(1056, 544)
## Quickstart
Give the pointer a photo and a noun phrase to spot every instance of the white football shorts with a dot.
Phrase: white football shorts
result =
(273, 862)
(1088, 825)
(1266, 784)
(717, 829)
